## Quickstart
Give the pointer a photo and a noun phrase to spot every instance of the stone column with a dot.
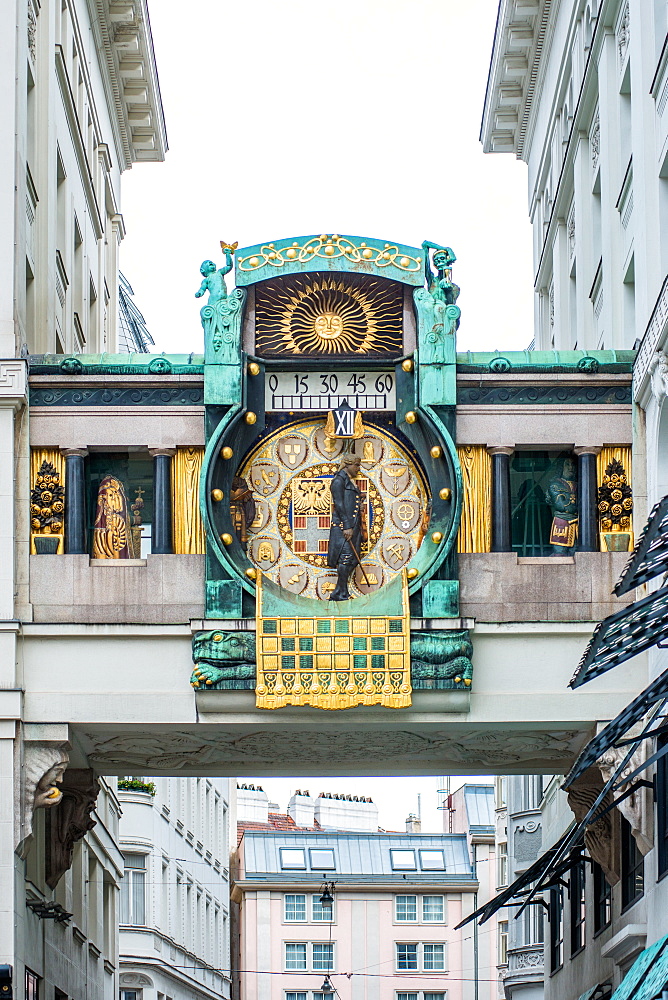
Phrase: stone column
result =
(501, 527)
(76, 542)
(161, 529)
(587, 499)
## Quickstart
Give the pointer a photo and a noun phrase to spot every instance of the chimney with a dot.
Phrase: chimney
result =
(301, 809)
(413, 823)
(346, 812)
(252, 804)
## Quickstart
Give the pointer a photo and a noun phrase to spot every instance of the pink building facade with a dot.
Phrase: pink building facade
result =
(389, 933)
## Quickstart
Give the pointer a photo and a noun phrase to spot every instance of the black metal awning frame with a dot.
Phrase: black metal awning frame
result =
(650, 555)
(623, 635)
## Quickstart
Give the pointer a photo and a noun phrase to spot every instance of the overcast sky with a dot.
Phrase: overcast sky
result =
(395, 797)
(358, 117)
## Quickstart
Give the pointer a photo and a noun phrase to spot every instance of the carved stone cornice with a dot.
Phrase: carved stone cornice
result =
(70, 822)
(123, 36)
(518, 46)
(13, 382)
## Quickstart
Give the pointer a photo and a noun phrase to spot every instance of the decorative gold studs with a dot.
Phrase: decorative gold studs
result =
(436, 537)
(251, 573)
(218, 637)
(253, 368)
(407, 365)
(250, 417)
(436, 451)
(226, 539)
(412, 573)
(227, 452)
(445, 493)
(467, 681)
(217, 495)
(411, 417)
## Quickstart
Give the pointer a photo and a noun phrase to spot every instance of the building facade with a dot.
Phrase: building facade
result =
(175, 894)
(80, 105)
(388, 930)
(578, 90)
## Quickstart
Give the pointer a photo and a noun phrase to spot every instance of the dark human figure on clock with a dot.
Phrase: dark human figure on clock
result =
(345, 533)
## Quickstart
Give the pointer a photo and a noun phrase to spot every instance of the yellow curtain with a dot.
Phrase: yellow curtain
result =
(188, 527)
(606, 455)
(52, 455)
(475, 530)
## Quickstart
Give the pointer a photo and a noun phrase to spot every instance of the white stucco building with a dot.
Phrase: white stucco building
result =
(579, 91)
(174, 906)
(80, 105)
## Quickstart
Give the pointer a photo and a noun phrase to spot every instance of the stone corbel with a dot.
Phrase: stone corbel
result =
(43, 769)
(659, 376)
(69, 823)
(637, 808)
(599, 836)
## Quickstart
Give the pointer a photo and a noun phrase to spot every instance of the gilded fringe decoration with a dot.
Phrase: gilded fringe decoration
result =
(55, 457)
(332, 663)
(475, 529)
(606, 455)
(187, 520)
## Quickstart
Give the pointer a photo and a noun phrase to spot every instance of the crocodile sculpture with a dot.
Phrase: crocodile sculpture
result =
(225, 661)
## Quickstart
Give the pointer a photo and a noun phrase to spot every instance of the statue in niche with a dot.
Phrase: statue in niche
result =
(111, 533)
(345, 533)
(242, 508)
(221, 316)
(561, 497)
(438, 313)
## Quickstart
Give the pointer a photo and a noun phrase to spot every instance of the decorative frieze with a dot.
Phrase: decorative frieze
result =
(595, 141)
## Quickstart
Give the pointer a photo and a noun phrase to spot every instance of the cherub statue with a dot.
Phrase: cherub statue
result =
(221, 316)
(438, 314)
(213, 280)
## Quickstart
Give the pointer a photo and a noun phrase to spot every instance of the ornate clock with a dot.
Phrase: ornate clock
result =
(316, 327)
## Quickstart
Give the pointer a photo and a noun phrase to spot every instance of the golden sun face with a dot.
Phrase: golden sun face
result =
(328, 314)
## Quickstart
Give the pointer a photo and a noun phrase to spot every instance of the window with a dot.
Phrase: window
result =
(502, 866)
(32, 985)
(633, 867)
(577, 906)
(432, 861)
(662, 809)
(321, 912)
(433, 956)
(407, 957)
(292, 857)
(322, 859)
(427, 957)
(296, 996)
(323, 957)
(295, 957)
(129, 994)
(407, 996)
(531, 472)
(502, 944)
(602, 900)
(434, 996)
(133, 890)
(405, 909)
(556, 928)
(295, 907)
(432, 909)
(501, 791)
(402, 860)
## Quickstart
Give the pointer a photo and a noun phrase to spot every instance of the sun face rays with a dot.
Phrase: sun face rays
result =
(329, 314)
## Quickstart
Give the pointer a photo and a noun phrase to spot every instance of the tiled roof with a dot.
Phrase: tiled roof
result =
(277, 822)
